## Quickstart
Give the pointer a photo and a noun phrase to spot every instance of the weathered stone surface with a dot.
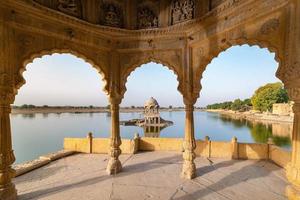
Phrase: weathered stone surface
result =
(184, 35)
(42, 161)
(152, 175)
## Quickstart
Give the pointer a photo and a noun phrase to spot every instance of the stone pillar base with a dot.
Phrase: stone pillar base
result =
(8, 193)
(292, 193)
(114, 167)
(188, 170)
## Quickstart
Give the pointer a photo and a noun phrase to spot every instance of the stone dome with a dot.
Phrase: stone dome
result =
(151, 103)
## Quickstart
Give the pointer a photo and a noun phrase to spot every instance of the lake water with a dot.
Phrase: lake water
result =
(38, 134)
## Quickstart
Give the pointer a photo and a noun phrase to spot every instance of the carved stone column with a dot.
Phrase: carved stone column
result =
(189, 143)
(114, 165)
(293, 168)
(7, 158)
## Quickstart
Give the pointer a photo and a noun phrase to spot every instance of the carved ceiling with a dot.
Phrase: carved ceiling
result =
(133, 14)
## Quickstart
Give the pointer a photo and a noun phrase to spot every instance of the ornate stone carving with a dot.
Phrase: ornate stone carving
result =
(4, 79)
(6, 89)
(292, 72)
(146, 18)
(71, 7)
(182, 10)
(269, 26)
(294, 94)
(112, 15)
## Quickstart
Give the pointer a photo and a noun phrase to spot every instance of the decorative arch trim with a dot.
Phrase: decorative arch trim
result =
(239, 42)
(135, 65)
(29, 59)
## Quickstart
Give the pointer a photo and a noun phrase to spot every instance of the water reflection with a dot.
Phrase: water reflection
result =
(261, 131)
(39, 134)
(28, 115)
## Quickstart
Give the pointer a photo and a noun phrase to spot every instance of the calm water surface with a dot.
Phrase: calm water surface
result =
(39, 134)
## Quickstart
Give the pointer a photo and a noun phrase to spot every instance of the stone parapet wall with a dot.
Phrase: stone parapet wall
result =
(98, 145)
(160, 144)
(279, 156)
(24, 168)
(207, 148)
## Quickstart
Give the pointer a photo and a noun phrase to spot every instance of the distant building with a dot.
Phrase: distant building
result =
(151, 112)
(152, 125)
(282, 109)
(152, 122)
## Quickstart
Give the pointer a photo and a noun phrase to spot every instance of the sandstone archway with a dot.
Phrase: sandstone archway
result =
(184, 41)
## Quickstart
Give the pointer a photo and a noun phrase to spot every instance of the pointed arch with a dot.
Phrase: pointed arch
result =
(29, 59)
(207, 59)
(136, 63)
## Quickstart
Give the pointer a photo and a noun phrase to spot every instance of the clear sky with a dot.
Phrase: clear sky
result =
(63, 79)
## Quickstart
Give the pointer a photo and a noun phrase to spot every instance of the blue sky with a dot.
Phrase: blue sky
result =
(63, 79)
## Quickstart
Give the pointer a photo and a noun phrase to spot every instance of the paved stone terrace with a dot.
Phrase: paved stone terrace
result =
(152, 175)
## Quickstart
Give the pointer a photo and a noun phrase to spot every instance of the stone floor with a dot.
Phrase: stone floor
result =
(152, 175)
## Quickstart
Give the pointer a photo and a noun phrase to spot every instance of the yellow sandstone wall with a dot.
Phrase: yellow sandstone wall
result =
(214, 149)
(160, 144)
(202, 148)
(221, 150)
(252, 151)
(279, 156)
(98, 145)
(76, 144)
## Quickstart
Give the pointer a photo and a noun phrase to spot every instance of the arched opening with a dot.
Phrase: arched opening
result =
(160, 82)
(62, 98)
(229, 91)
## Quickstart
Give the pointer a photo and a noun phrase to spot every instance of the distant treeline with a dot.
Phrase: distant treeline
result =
(242, 105)
(30, 106)
(262, 100)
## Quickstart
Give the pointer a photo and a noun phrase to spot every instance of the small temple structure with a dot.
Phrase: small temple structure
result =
(152, 122)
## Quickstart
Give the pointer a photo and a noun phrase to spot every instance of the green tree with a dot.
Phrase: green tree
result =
(24, 106)
(265, 96)
(237, 105)
(247, 102)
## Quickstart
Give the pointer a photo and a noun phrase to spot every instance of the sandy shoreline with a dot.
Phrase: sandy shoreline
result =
(255, 116)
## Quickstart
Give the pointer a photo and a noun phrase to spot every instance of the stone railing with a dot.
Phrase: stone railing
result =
(99, 145)
(26, 167)
(205, 148)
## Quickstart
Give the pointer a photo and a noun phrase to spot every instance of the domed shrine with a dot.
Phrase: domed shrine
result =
(152, 122)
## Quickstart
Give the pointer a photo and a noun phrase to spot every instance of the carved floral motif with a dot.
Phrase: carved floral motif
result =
(147, 18)
(182, 10)
(294, 94)
(71, 7)
(4, 79)
(6, 93)
(269, 26)
(291, 72)
(113, 16)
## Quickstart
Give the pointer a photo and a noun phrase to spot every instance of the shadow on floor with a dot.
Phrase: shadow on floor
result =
(127, 171)
(244, 174)
(44, 172)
